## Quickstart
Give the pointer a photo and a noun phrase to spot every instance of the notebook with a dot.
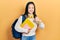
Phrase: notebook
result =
(27, 24)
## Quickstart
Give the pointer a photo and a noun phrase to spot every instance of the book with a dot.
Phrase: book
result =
(27, 24)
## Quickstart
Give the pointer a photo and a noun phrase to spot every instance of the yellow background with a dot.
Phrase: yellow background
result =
(47, 10)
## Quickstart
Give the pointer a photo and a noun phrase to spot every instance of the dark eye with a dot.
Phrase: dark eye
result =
(32, 7)
(29, 7)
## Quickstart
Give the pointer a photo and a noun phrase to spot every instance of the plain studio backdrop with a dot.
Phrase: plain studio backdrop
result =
(47, 10)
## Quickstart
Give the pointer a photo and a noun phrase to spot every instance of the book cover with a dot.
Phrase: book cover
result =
(27, 24)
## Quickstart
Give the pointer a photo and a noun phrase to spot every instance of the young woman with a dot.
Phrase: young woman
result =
(29, 34)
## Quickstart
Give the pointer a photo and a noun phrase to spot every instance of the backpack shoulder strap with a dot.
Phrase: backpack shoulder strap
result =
(23, 18)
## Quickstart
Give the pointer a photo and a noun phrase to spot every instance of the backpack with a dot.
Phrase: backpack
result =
(14, 32)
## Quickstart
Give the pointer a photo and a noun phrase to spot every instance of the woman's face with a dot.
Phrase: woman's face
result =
(30, 8)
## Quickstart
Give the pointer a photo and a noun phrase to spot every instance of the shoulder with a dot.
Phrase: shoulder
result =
(20, 17)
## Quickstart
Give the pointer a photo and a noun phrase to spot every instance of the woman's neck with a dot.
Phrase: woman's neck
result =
(30, 15)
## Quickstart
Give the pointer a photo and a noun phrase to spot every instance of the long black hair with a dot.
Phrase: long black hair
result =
(26, 9)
